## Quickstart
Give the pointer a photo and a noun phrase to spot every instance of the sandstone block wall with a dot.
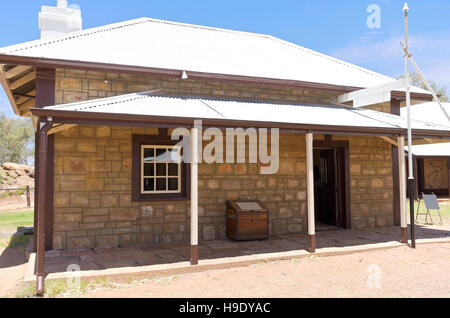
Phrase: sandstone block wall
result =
(435, 173)
(93, 206)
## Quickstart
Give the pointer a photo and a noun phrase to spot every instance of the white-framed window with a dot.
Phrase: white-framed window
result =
(160, 169)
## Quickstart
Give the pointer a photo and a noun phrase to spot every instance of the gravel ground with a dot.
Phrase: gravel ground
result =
(398, 272)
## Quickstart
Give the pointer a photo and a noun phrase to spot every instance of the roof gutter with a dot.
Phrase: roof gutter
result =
(248, 80)
(99, 118)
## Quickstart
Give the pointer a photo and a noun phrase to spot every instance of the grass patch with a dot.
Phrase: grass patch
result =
(64, 288)
(15, 242)
(10, 221)
(7, 194)
(445, 209)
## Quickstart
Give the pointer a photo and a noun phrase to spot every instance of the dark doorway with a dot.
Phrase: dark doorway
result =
(325, 187)
(331, 187)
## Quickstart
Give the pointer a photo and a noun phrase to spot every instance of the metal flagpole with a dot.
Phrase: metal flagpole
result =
(411, 182)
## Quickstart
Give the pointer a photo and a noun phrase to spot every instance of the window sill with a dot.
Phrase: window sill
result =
(161, 197)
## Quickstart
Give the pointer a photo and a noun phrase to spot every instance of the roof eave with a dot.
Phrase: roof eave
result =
(238, 79)
(101, 118)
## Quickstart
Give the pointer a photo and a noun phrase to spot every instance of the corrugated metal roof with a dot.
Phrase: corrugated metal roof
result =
(149, 104)
(430, 112)
(177, 46)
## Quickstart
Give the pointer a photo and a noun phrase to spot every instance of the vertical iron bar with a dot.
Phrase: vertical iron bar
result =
(411, 182)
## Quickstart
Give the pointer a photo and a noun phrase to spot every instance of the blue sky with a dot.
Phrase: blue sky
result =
(335, 27)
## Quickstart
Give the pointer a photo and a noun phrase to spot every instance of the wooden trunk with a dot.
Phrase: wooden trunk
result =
(247, 224)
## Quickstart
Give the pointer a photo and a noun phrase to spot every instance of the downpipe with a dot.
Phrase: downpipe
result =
(42, 205)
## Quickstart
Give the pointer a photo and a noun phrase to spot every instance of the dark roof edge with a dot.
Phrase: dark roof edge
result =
(79, 117)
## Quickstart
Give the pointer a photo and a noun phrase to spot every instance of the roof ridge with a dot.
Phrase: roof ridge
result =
(76, 34)
(118, 25)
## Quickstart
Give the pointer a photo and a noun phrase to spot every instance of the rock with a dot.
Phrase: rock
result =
(21, 173)
(24, 181)
(15, 166)
(12, 174)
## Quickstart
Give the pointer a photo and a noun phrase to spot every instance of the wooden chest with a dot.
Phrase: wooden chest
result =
(247, 220)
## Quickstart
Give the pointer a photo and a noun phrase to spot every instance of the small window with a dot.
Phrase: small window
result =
(160, 169)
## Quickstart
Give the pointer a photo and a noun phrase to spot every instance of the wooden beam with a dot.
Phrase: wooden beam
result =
(427, 141)
(29, 103)
(21, 98)
(4, 83)
(25, 113)
(402, 178)
(194, 195)
(22, 81)
(57, 128)
(17, 71)
(310, 192)
(389, 140)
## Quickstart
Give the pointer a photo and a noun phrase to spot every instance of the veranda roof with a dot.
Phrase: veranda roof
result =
(430, 112)
(159, 108)
(432, 150)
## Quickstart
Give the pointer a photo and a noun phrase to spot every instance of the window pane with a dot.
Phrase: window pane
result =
(149, 184)
(173, 169)
(149, 154)
(174, 155)
(173, 184)
(149, 169)
(161, 169)
(161, 184)
(161, 155)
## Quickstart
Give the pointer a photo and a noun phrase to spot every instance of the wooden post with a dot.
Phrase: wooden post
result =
(42, 208)
(310, 192)
(194, 196)
(402, 181)
(28, 197)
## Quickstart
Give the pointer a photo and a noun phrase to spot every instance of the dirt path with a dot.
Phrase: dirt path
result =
(12, 270)
(399, 272)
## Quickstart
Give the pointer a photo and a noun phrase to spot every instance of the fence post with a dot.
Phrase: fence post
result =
(28, 197)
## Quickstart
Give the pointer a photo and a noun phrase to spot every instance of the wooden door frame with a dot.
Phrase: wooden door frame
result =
(343, 174)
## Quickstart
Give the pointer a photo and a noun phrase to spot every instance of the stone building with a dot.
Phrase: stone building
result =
(104, 102)
(432, 161)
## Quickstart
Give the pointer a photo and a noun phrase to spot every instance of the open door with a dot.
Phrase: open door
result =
(325, 186)
(331, 183)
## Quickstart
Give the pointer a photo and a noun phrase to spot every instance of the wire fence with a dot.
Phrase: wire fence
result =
(16, 198)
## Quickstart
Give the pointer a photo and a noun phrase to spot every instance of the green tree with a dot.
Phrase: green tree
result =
(441, 91)
(16, 140)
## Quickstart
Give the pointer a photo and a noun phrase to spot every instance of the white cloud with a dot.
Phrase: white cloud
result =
(385, 55)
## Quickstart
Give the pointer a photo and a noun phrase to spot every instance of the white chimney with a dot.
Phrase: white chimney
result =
(55, 21)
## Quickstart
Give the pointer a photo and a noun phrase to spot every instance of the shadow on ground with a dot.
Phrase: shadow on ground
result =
(103, 258)
(12, 250)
